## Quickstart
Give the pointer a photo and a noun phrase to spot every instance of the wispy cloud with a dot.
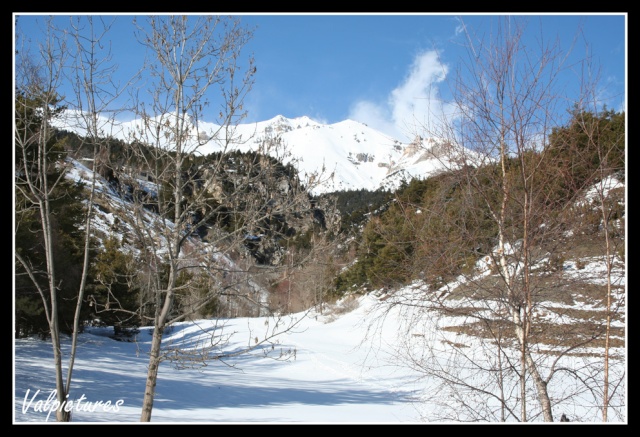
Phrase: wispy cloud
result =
(413, 105)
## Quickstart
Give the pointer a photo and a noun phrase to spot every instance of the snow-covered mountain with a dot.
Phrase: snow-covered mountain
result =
(358, 156)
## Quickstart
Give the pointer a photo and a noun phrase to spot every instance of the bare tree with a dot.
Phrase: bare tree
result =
(73, 57)
(37, 103)
(595, 138)
(201, 225)
(612, 226)
(496, 145)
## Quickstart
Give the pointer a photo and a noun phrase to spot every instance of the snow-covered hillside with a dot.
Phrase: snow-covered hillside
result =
(107, 220)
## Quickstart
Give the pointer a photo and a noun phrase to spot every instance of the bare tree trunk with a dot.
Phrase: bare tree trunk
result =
(602, 196)
(152, 374)
(607, 338)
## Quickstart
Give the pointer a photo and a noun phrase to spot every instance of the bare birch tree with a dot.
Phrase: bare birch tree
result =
(507, 98)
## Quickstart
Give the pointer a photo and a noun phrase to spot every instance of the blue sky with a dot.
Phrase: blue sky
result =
(373, 68)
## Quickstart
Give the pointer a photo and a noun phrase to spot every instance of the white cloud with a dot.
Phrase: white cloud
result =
(411, 106)
(374, 115)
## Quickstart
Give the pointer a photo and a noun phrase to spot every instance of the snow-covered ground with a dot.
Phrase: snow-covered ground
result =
(344, 366)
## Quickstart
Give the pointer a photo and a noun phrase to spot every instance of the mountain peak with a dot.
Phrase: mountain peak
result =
(358, 156)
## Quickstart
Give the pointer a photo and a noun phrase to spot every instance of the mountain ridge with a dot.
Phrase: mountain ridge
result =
(355, 155)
